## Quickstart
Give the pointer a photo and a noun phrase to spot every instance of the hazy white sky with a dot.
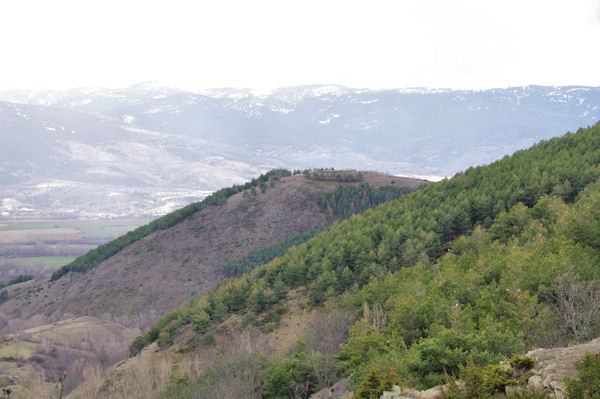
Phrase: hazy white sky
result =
(266, 44)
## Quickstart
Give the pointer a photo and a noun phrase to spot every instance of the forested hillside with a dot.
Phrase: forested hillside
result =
(138, 278)
(477, 267)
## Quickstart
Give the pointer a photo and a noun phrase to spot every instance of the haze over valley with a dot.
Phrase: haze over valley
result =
(145, 150)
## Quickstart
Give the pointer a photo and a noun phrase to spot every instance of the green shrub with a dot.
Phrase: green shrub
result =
(448, 350)
(522, 363)
(137, 345)
(587, 384)
(178, 387)
(201, 322)
(288, 377)
(274, 316)
(165, 338)
(478, 382)
(375, 382)
(250, 319)
(209, 338)
(20, 279)
(497, 378)
(529, 393)
(371, 387)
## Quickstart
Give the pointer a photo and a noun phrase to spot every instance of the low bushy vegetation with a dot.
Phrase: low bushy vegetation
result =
(376, 382)
(19, 279)
(245, 370)
(485, 382)
(349, 176)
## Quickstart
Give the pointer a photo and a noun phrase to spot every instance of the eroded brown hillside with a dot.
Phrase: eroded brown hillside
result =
(147, 279)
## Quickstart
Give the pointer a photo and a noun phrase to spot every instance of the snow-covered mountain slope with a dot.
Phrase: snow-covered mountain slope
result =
(62, 162)
(165, 139)
(436, 132)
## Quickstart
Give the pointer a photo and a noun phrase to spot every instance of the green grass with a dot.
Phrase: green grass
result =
(47, 260)
(18, 350)
(69, 236)
(90, 228)
(33, 265)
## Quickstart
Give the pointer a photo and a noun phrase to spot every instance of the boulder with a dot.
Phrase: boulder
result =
(398, 393)
(336, 391)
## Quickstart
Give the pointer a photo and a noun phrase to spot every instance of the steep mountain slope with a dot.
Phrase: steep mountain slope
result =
(164, 269)
(476, 267)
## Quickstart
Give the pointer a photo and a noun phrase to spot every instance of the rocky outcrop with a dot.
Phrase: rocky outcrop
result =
(339, 391)
(336, 391)
(399, 393)
(553, 365)
(551, 368)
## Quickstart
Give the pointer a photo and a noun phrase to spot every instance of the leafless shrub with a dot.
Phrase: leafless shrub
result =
(237, 373)
(143, 379)
(191, 366)
(378, 317)
(14, 325)
(92, 375)
(327, 332)
(35, 389)
(300, 391)
(576, 305)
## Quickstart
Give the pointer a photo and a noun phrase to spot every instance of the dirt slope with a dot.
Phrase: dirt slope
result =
(140, 284)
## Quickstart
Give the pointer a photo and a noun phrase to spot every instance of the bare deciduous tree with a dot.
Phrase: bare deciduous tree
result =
(378, 317)
(237, 373)
(575, 304)
(327, 332)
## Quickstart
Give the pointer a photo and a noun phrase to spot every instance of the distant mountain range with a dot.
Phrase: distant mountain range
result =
(147, 149)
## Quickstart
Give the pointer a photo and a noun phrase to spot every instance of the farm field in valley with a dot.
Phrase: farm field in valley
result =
(41, 246)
